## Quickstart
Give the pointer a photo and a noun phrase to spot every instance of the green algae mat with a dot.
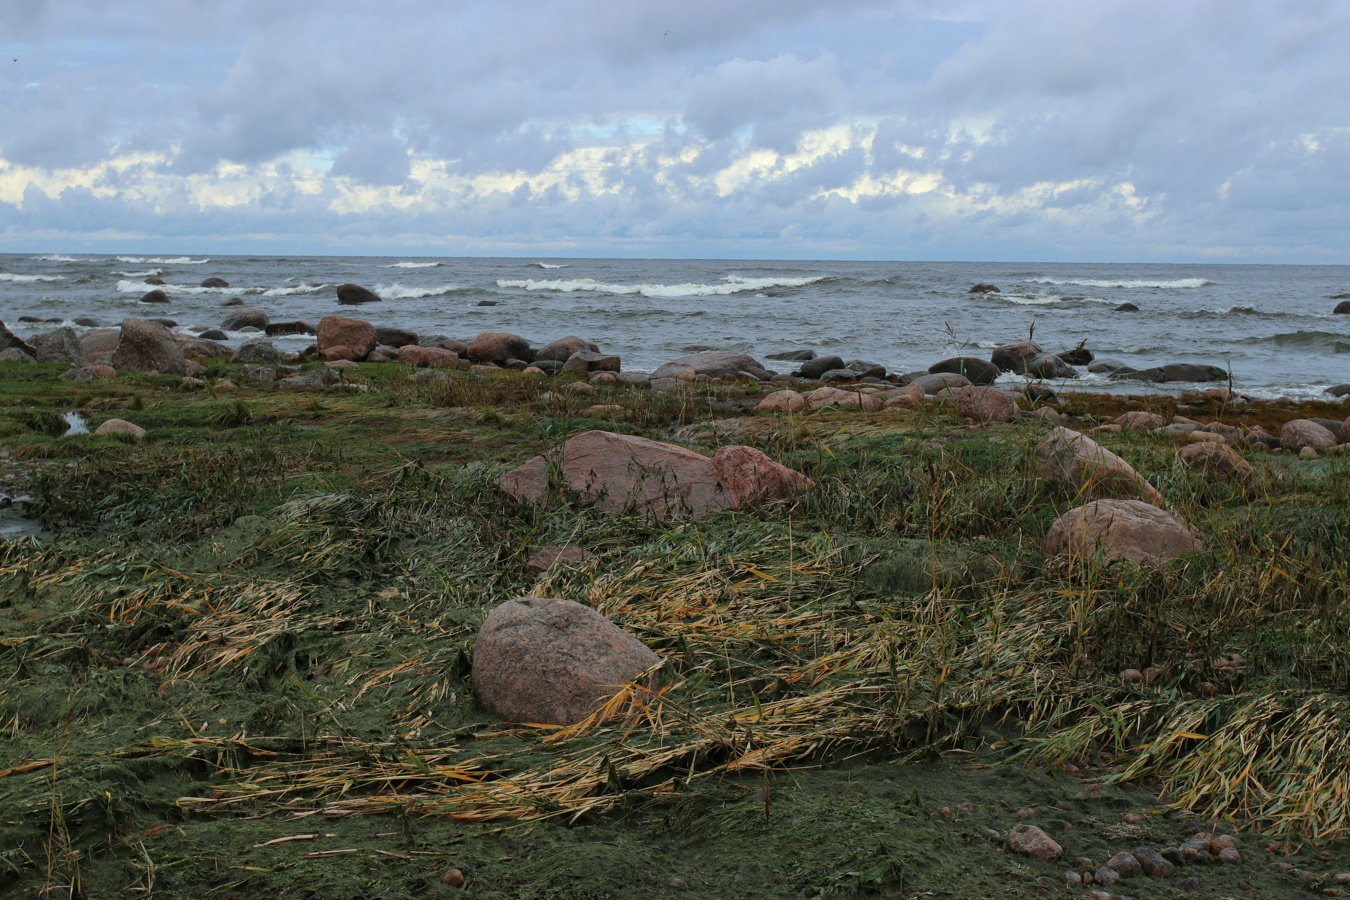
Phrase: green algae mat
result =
(237, 659)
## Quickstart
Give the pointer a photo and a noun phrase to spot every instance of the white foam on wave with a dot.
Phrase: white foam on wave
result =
(131, 287)
(148, 273)
(1123, 283)
(411, 265)
(397, 291)
(28, 279)
(163, 261)
(734, 284)
(1042, 299)
(544, 265)
(56, 257)
(297, 289)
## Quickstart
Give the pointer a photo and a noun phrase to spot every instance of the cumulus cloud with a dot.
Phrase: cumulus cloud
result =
(797, 127)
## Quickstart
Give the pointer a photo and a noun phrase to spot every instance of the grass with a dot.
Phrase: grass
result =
(259, 622)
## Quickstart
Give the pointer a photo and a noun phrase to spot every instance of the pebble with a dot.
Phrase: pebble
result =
(1106, 876)
(1230, 855)
(454, 878)
(1124, 864)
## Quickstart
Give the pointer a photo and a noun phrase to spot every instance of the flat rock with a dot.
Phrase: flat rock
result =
(549, 557)
(752, 477)
(716, 364)
(932, 384)
(1089, 468)
(591, 361)
(553, 661)
(1129, 529)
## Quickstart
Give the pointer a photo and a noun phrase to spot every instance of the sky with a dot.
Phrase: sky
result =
(1074, 130)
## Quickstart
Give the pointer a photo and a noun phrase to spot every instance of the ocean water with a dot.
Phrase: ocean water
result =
(1272, 327)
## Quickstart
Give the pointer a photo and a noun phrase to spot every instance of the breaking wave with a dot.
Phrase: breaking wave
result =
(28, 279)
(148, 273)
(56, 257)
(734, 284)
(544, 265)
(163, 261)
(397, 291)
(1043, 299)
(1124, 283)
(297, 289)
(411, 265)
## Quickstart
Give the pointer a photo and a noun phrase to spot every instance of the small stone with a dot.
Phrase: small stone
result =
(1135, 818)
(1208, 689)
(1106, 876)
(1230, 855)
(1025, 812)
(1153, 863)
(1072, 878)
(1221, 841)
(454, 878)
(676, 883)
(1307, 453)
(1029, 840)
(1132, 676)
(1124, 864)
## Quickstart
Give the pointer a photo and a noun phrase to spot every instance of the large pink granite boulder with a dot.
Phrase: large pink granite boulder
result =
(983, 404)
(356, 336)
(1219, 459)
(496, 347)
(554, 662)
(1131, 529)
(1302, 433)
(751, 476)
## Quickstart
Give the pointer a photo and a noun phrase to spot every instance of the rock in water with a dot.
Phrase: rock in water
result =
(1342, 308)
(1130, 529)
(155, 296)
(214, 282)
(147, 347)
(1086, 466)
(498, 347)
(979, 371)
(562, 349)
(1015, 355)
(984, 288)
(554, 661)
(244, 317)
(354, 294)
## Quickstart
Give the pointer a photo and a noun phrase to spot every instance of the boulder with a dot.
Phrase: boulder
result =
(983, 404)
(14, 354)
(59, 345)
(9, 339)
(394, 337)
(214, 282)
(1028, 840)
(829, 396)
(714, 364)
(427, 357)
(782, 401)
(1302, 433)
(1173, 372)
(338, 331)
(1140, 420)
(282, 329)
(258, 350)
(793, 355)
(977, 370)
(1048, 365)
(549, 557)
(496, 347)
(1015, 355)
(233, 301)
(147, 347)
(354, 294)
(86, 321)
(554, 662)
(751, 476)
(201, 347)
(623, 472)
(818, 366)
(1219, 460)
(99, 343)
(1129, 529)
(1343, 433)
(154, 279)
(587, 361)
(1126, 307)
(119, 426)
(155, 296)
(1089, 468)
(1342, 308)
(932, 384)
(214, 334)
(562, 349)
(984, 288)
(1078, 356)
(244, 317)
(262, 374)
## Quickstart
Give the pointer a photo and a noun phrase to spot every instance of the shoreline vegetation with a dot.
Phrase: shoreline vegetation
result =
(238, 658)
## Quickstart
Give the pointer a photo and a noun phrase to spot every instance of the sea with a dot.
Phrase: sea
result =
(1270, 326)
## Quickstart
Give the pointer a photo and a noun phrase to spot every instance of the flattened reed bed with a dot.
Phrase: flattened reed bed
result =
(316, 659)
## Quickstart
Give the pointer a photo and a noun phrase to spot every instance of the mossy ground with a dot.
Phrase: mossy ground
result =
(258, 623)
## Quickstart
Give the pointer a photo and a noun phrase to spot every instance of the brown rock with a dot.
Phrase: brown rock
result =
(1138, 419)
(586, 361)
(119, 426)
(99, 343)
(1219, 460)
(1029, 840)
(214, 282)
(782, 401)
(9, 339)
(499, 346)
(427, 357)
(1015, 356)
(562, 349)
(244, 317)
(1153, 863)
(1124, 864)
(751, 476)
(553, 661)
(932, 384)
(1343, 435)
(548, 557)
(1130, 529)
(339, 331)
(338, 353)
(147, 347)
(1302, 433)
(983, 404)
(829, 396)
(281, 329)
(155, 296)
(60, 345)
(977, 370)
(714, 364)
(1090, 468)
